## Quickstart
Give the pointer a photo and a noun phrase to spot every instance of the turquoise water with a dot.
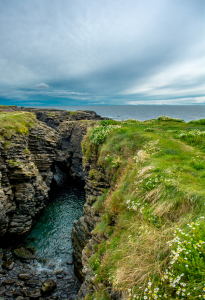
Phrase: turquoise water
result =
(51, 236)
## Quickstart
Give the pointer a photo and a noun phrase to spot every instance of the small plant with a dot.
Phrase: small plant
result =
(184, 277)
(99, 133)
(166, 118)
(193, 137)
(27, 152)
(73, 113)
(96, 175)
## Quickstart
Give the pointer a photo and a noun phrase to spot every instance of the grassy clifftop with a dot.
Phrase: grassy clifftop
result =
(154, 212)
(12, 123)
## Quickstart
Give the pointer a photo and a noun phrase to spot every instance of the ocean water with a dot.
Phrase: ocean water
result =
(142, 112)
(51, 236)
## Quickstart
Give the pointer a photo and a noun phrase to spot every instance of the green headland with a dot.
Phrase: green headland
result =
(153, 214)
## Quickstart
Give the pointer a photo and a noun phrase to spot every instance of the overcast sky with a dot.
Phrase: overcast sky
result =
(78, 52)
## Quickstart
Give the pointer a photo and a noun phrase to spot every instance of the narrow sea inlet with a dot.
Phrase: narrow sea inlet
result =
(51, 236)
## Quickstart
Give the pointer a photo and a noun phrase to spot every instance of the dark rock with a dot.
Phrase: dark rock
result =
(33, 283)
(9, 282)
(7, 256)
(20, 298)
(26, 266)
(2, 291)
(35, 294)
(8, 265)
(9, 294)
(58, 271)
(48, 285)
(23, 253)
(24, 276)
(18, 292)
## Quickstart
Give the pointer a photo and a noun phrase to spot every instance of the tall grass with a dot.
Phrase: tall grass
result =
(158, 187)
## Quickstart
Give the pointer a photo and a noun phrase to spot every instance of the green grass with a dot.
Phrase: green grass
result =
(156, 170)
(12, 123)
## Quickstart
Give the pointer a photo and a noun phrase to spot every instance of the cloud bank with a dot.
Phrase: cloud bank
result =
(108, 51)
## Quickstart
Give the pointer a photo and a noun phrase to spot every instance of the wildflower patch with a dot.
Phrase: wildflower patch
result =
(99, 133)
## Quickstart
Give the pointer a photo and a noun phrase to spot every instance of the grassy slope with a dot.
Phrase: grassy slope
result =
(12, 123)
(157, 169)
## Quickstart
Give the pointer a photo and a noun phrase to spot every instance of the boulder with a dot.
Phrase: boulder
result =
(22, 253)
(48, 285)
(24, 276)
(8, 265)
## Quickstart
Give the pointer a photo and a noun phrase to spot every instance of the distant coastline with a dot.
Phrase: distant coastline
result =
(140, 112)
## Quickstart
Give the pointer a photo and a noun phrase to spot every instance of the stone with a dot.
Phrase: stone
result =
(9, 294)
(48, 285)
(2, 291)
(18, 292)
(20, 298)
(58, 271)
(7, 256)
(22, 253)
(9, 282)
(33, 283)
(35, 294)
(8, 265)
(24, 276)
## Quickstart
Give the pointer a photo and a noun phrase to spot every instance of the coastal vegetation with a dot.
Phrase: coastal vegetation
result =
(153, 214)
(18, 122)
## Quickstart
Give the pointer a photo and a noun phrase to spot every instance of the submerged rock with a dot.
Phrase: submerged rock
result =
(8, 265)
(48, 285)
(9, 282)
(24, 276)
(35, 294)
(23, 253)
(59, 270)
(2, 291)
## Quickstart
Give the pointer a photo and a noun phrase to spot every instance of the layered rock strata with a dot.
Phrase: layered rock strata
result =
(26, 165)
(83, 237)
(25, 177)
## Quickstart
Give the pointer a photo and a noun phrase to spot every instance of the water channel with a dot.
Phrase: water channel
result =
(51, 236)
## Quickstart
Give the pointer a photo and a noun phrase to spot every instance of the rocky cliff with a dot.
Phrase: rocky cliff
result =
(27, 162)
(25, 174)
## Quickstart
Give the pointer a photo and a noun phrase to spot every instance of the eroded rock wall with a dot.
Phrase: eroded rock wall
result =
(26, 167)
(83, 237)
(25, 177)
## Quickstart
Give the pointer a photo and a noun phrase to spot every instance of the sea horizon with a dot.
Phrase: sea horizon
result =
(138, 112)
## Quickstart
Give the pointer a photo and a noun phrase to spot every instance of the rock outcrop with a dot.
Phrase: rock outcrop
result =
(83, 237)
(27, 162)
(26, 173)
(25, 177)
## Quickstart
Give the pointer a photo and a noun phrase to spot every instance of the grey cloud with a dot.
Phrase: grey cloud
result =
(100, 49)
(42, 86)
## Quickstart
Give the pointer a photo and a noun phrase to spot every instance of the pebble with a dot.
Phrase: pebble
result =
(8, 265)
(64, 296)
(2, 291)
(58, 271)
(9, 294)
(24, 276)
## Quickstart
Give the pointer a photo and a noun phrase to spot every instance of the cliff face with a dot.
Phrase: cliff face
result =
(83, 238)
(25, 174)
(26, 163)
